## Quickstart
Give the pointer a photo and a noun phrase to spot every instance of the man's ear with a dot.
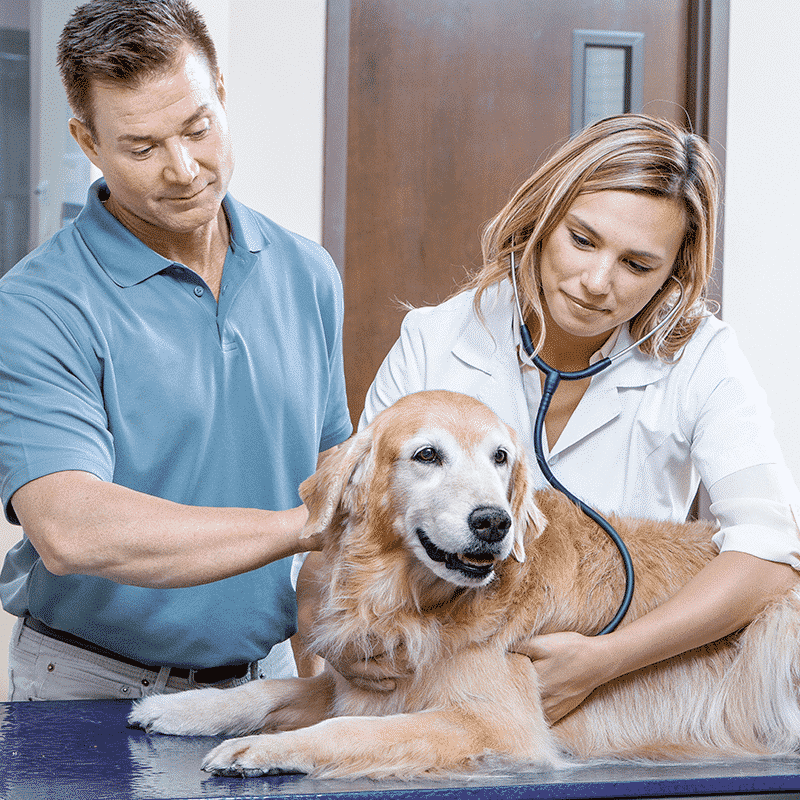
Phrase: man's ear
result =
(221, 93)
(85, 139)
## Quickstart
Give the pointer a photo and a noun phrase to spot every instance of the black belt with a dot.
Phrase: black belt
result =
(209, 675)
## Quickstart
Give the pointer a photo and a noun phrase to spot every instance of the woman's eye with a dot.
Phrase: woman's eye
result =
(636, 267)
(500, 456)
(427, 455)
(579, 240)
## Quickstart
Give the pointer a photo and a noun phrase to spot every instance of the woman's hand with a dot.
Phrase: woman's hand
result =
(570, 667)
(723, 597)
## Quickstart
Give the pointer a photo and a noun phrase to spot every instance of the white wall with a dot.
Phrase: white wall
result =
(272, 55)
(54, 154)
(761, 291)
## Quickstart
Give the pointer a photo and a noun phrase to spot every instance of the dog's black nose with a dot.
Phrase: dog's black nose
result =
(489, 523)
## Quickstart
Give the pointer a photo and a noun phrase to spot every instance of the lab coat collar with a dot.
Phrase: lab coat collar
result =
(634, 368)
(491, 345)
(602, 403)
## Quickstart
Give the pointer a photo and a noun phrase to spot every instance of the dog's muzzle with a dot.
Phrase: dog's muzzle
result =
(489, 526)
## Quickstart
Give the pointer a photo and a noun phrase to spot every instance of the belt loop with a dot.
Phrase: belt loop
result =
(161, 681)
(16, 634)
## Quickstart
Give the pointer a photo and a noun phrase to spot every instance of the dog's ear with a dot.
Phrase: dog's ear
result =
(523, 506)
(339, 483)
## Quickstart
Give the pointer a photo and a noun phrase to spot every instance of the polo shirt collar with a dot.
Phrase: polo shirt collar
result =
(126, 259)
(245, 230)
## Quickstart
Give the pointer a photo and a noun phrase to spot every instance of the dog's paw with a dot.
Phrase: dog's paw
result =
(251, 756)
(184, 714)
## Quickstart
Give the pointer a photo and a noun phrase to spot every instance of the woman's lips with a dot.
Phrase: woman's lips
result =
(584, 304)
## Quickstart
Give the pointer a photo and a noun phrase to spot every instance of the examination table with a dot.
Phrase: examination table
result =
(84, 751)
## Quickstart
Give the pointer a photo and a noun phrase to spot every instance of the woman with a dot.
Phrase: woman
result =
(609, 236)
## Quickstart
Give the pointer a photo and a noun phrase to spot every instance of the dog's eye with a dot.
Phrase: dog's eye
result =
(427, 455)
(500, 456)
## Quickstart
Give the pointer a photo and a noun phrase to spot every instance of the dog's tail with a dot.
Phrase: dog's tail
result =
(758, 703)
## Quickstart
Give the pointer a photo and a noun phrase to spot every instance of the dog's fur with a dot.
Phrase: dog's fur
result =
(423, 467)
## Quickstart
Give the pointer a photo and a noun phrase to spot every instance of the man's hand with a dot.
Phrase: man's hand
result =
(379, 673)
(376, 674)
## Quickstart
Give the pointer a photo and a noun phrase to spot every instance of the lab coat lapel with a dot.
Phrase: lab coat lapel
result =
(595, 410)
(490, 347)
(603, 403)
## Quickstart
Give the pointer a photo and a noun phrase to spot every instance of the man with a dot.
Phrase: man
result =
(171, 366)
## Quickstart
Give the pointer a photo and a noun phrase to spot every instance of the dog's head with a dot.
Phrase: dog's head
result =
(437, 473)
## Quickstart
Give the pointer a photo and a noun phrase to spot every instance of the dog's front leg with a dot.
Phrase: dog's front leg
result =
(273, 705)
(401, 745)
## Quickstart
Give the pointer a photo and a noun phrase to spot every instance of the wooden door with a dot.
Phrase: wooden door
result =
(436, 111)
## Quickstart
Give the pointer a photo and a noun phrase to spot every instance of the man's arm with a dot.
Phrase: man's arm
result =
(82, 525)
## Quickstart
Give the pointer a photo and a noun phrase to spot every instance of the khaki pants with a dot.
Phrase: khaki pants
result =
(41, 668)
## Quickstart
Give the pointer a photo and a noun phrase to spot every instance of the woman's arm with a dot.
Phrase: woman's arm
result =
(722, 598)
(758, 533)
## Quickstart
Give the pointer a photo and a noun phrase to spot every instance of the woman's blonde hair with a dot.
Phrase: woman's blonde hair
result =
(630, 152)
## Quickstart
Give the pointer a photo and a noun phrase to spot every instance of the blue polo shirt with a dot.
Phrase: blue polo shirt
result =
(118, 362)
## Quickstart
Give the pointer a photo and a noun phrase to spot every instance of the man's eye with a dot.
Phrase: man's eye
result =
(199, 134)
(427, 455)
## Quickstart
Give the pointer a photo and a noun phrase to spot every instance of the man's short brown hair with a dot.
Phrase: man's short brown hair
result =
(126, 41)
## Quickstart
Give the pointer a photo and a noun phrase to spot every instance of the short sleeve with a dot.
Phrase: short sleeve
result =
(757, 509)
(732, 426)
(51, 406)
(337, 425)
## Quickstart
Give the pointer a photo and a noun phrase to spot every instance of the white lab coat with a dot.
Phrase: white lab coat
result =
(644, 434)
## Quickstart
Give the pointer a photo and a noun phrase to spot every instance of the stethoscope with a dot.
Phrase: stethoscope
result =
(552, 377)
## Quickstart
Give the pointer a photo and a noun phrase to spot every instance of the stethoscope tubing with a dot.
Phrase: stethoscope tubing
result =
(552, 378)
(551, 381)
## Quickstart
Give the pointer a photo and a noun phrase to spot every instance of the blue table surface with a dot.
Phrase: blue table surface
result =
(85, 751)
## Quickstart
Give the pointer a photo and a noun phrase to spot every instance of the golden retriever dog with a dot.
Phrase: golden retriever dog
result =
(439, 553)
